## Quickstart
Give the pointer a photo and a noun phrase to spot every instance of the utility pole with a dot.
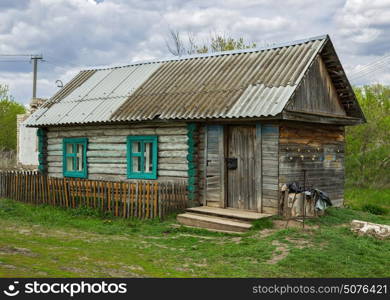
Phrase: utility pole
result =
(35, 59)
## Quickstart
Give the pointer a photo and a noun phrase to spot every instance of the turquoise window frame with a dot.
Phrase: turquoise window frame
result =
(130, 155)
(74, 142)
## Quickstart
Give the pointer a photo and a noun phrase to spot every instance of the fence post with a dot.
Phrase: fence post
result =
(141, 199)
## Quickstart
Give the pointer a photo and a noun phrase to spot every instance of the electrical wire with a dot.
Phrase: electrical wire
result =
(14, 60)
(368, 72)
(372, 64)
(371, 68)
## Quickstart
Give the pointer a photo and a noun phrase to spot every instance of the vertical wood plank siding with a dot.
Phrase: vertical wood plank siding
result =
(259, 167)
(317, 93)
(214, 189)
(317, 149)
(266, 166)
(106, 155)
(241, 181)
(270, 167)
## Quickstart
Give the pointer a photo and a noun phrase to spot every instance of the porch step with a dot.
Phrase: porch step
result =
(212, 222)
(230, 213)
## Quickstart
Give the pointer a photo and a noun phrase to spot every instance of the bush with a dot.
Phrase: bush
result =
(9, 109)
(374, 209)
(367, 160)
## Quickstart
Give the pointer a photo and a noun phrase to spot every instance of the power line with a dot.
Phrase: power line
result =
(367, 72)
(14, 60)
(372, 64)
(14, 55)
(370, 68)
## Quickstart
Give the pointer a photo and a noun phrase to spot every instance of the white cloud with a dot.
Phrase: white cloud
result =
(365, 21)
(77, 34)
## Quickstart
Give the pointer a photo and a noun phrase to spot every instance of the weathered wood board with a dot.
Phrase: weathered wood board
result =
(241, 181)
(317, 149)
(107, 149)
(317, 93)
(214, 192)
(270, 167)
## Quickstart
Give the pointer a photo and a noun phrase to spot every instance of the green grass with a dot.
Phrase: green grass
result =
(368, 199)
(42, 241)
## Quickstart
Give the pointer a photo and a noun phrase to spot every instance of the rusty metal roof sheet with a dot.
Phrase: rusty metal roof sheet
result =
(232, 84)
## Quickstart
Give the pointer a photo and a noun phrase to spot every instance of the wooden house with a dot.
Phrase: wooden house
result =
(236, 125)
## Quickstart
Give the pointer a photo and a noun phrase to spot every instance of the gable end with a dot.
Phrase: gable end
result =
(317, 94)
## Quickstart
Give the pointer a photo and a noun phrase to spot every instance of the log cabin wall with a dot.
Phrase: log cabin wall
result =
(106, 154)
(319, 149)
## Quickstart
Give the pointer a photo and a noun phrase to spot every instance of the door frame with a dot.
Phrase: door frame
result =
(257, 167)
(223, 153)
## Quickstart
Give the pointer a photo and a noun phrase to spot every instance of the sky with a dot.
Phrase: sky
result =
(73, 35)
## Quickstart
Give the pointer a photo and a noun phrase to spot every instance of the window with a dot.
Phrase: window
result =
(142, 157)
(75, 157)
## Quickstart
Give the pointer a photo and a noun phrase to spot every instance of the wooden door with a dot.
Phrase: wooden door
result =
(240, 163)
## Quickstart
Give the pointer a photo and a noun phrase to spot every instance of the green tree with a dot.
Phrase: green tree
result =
(220, 43)
(183, 44)
(368, 145)
(8, 111)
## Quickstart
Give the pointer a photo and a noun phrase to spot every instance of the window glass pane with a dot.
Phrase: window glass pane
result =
(79, 164)
(136, 147)
(69, 164)
(69, 148)
(79, 149)
(148, 157)
(136, 161)
(74, 155)
(79, 160)
(141, 152)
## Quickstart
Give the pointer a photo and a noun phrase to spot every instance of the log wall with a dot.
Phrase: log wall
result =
(319, 149)
(106, 154)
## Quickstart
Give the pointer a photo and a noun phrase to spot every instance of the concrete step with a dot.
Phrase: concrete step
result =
(233, 214)
(212, 222)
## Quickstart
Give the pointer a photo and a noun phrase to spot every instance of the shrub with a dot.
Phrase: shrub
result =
(374, 209)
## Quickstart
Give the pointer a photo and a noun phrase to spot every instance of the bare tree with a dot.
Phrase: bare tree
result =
(174, 42)
(217, 42)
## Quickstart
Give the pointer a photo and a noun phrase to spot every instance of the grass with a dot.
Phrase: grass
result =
(42, 241)
(368, 199)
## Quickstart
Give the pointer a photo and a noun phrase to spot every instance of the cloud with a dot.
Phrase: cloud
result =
(366, 23)
(79, 34)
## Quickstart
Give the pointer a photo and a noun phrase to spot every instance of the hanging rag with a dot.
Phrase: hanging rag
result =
(321, 199)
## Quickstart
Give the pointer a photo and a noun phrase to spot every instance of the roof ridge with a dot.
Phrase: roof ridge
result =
(221, 53)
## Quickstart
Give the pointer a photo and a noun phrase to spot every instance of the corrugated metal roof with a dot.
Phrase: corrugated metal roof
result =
(99, 95)
(233, 84)
(249, 84)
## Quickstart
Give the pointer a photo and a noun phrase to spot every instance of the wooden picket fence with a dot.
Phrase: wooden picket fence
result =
(140, 199)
